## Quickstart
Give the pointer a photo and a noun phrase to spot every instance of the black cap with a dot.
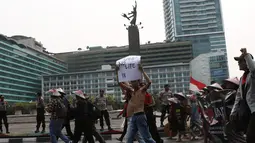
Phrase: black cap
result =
(166, 85)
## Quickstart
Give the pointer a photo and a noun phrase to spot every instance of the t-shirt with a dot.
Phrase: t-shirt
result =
(164, 95)
(40, 103)
(101, 103)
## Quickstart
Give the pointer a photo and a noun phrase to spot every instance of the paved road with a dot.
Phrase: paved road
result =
(20, 128)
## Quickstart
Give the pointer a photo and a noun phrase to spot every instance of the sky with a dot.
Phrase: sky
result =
(65, 25)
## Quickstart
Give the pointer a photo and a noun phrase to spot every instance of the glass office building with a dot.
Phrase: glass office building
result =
(199, 21)
(21, 67)
(176, 75)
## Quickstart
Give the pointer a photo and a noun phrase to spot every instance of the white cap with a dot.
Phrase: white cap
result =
(173, 100)
(215, 86)
(61, 91)
(53, 92)
(79, 93)
(234, 80)
(180, 94)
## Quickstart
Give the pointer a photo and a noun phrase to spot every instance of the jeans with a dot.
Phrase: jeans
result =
(139, 123)
(138, 135)
(55, 131)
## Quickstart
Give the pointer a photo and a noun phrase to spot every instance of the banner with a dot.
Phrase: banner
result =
(129, 69)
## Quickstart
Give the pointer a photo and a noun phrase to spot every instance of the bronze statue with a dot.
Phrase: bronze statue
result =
(132, 14)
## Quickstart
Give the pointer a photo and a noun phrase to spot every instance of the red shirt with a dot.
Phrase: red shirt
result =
(148, 99)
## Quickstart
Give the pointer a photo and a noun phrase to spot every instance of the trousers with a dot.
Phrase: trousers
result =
(104, 115)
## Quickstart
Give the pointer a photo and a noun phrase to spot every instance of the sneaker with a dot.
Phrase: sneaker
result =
(162, 125)
(43, 131)
(7, 132)
(109, 128)
(102, 129)
(37, 131)
(119, 139)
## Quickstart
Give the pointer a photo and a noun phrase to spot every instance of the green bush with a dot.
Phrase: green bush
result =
(25, 107)
(10, 110)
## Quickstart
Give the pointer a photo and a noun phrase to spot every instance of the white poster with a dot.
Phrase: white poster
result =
(129, 68)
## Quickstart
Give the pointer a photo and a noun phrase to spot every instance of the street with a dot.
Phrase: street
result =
(29, 128)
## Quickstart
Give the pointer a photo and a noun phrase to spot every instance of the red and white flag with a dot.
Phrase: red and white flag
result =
(195, 85)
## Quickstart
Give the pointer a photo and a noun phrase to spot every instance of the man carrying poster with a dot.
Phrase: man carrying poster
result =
(135, 109)
(129, 69)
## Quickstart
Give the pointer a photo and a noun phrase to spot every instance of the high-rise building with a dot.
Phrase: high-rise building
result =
(152, 54)
(199, 21)
(176, 75)
(22, 62)
(210, 67)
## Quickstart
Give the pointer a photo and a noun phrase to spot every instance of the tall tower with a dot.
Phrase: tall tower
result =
(199, 21)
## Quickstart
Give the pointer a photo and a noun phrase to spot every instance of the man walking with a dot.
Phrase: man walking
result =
(163, 97)
(58, 114)
(68, 116)
(3, 114)
(101, 103)
(40, 118)
(135, 110)
(245, 97)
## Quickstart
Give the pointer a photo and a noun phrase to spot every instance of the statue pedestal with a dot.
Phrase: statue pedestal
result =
(134, 40)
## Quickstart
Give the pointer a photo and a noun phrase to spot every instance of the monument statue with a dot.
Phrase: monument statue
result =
(132, 14)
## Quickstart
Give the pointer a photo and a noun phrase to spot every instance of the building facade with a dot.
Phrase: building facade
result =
(152, 54)
(210, 67)
(176, 75)
(199, 21)
(21, 68)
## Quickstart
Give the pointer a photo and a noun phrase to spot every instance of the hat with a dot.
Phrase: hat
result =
(234, 80)
(53, 92)
(215, 86)
(241, 57)
(180, 94)
(61, 91)
(86, 96)
(166, 85)
(79, 93)
(173, 100)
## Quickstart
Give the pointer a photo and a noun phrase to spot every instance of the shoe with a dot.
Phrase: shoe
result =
(102, 129)
(109, 128)
(119, 139)
(178, 140)
(7, 132)
(162, 125)
(37, 131)
(43, 131)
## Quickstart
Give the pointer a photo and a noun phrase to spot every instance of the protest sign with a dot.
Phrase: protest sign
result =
(129, 69)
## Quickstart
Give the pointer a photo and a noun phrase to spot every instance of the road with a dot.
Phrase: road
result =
(17, 127)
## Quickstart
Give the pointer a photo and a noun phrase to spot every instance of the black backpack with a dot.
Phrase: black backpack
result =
(96, 113)
(61, 110)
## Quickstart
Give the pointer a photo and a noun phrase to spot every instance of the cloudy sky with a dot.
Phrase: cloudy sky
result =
(65, 25)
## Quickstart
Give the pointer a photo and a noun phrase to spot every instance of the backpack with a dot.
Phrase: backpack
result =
(61, 110)
(96, 113)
